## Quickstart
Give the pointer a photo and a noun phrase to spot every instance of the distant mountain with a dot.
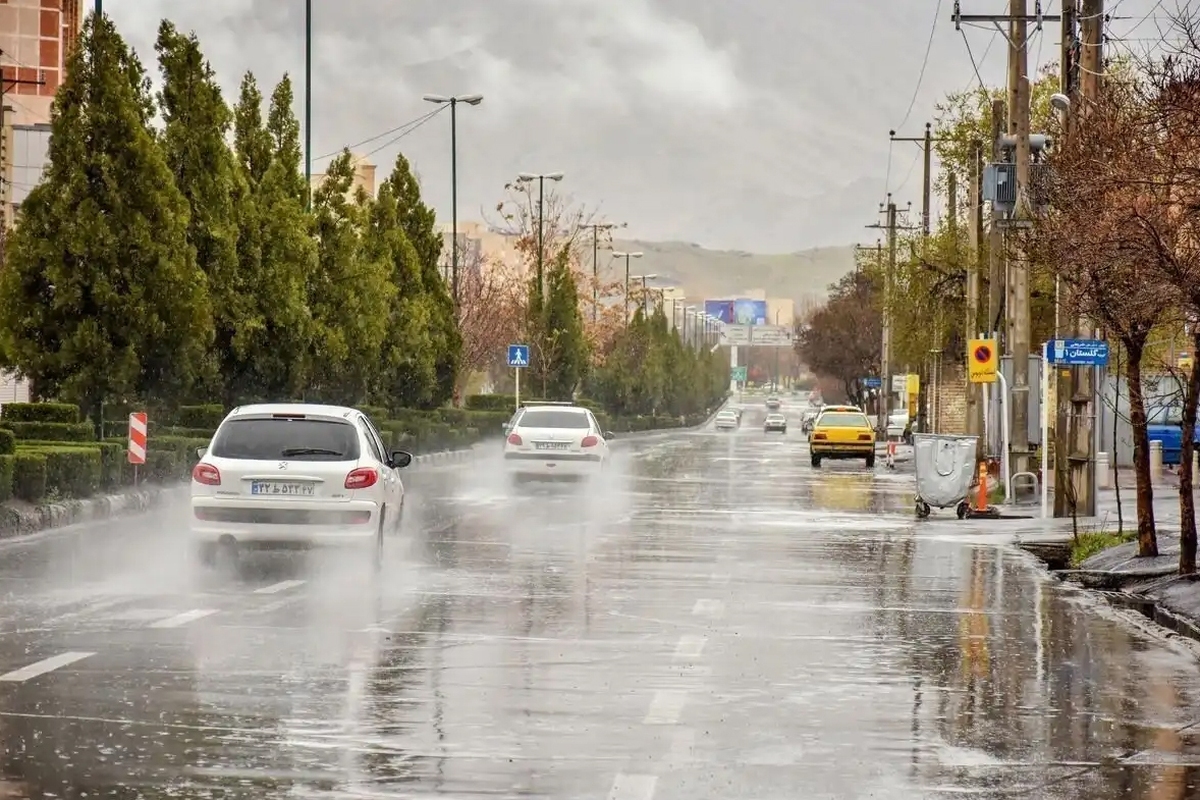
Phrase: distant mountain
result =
(713, 274)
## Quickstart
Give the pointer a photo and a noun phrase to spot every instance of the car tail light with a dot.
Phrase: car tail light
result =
(514, 439)
(362, 478)
(818, 436)
(589, 441)
(206, 474)
(864, 437)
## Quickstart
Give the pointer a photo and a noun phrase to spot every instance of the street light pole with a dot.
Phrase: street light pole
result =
(627, 256)
(596, 228)
(541, 178)
(453, 101)
(645, 292)
(307, 101)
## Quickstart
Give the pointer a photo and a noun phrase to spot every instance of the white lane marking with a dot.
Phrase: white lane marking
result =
(720, 578)
(275, 605)
(633, 787)
(93, 608)
(666, 707)
(276, 588)
(42, 667)
(184, 618)
(709, 608)
(690, 646)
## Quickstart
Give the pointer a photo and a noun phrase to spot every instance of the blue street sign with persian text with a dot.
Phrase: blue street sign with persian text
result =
(518, 355)
(872, 383)
(1078, 352)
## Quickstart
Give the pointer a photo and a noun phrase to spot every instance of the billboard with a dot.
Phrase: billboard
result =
(738, 312)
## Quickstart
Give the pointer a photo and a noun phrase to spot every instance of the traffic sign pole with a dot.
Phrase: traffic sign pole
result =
(1046, 377)
(517, 394)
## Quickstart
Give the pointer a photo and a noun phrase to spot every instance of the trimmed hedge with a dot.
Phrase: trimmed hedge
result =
(29, 476)
(7, 462)
(8, 442)
(53, 431)
(206, 417)
(71, 471)
(65, 413)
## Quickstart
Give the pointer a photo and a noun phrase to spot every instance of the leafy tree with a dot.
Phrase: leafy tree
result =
(276, 255)
(418, 222)
(196, 121)
(349, 294)
(101, 298)
(843, 339)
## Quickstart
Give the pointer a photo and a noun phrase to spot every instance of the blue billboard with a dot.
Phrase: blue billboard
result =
(738, 312)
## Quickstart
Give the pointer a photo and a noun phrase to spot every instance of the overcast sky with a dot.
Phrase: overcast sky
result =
(759, 125)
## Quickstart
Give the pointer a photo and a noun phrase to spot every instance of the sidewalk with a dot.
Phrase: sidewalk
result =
(1149, 585)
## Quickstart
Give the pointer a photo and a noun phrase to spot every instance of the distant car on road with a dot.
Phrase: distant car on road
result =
(727, 420)
(295, 476)
(773, 403)
(775, 422)
(842, 432)
(550, 441)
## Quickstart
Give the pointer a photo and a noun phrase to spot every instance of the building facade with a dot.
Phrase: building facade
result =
(36, 39)
(364, 177)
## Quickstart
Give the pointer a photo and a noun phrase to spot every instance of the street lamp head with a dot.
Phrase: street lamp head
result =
(435, 98)
(1060, 102)
(526, 176)
(651, 276)
(635, 255)
(470, 99)
(553, 176)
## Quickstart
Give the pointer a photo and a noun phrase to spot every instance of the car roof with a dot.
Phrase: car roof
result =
(850, 409)
(549, 407)
(306, 409)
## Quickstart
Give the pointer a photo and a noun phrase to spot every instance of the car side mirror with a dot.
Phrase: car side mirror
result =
(401, 459)
(609, 435)
(200, 451)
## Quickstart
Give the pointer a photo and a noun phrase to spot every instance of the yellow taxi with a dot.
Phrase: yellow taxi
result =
(842, 432)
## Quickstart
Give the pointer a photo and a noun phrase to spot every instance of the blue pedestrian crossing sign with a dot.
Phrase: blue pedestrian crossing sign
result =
(518, 355)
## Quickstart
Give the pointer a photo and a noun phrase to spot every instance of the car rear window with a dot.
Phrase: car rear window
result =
(544, 418)
(290, 438)
(843, 419)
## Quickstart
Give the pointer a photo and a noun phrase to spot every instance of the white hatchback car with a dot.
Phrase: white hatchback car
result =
(295, 476)
(555, 441)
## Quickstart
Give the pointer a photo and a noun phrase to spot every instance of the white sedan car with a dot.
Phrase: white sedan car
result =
(555, 441)
(295, 476)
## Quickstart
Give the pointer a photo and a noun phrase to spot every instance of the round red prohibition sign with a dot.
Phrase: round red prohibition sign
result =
(983, 354)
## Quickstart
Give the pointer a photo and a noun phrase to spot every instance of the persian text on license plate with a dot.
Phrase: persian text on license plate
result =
(282, 488)
(551, 445)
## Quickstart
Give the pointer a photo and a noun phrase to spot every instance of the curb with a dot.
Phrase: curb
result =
(15, 522)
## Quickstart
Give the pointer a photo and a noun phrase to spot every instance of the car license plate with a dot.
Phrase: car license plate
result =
(550, 445)
(282, 488)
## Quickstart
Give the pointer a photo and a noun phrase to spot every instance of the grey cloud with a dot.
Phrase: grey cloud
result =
(757, 125)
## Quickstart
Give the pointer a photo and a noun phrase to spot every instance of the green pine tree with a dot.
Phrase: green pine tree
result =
(559, 342)
(419, 224)
(196, 122)
(101, 298)
(407, 376)
(351, 293)
(276, 256)
(284, 130)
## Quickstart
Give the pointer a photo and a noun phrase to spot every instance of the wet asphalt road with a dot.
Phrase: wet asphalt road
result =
(718, 620)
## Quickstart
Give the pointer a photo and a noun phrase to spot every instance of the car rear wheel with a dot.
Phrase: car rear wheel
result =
(377, 554)
(871, 461)
(816, 462)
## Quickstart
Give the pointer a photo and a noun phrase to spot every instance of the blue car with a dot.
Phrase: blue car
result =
(1163, 425)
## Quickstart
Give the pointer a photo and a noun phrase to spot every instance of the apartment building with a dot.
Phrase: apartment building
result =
(36, 38)
(479, 244)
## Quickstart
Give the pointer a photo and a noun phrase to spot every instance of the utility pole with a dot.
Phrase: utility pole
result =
(885, 358)
(1084, 418)
(997, 277)
(1022, 322)
(307, 101)
(926, 142)
(973, 267)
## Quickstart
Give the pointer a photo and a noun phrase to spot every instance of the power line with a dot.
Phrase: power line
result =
(403, 130)
(924, 63)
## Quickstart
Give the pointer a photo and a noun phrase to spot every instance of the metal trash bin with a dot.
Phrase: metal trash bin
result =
(945, 467)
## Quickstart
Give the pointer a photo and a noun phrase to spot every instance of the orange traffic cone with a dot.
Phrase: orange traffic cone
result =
(981, 498)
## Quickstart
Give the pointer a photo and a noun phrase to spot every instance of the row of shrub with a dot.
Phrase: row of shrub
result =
(47, 451)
